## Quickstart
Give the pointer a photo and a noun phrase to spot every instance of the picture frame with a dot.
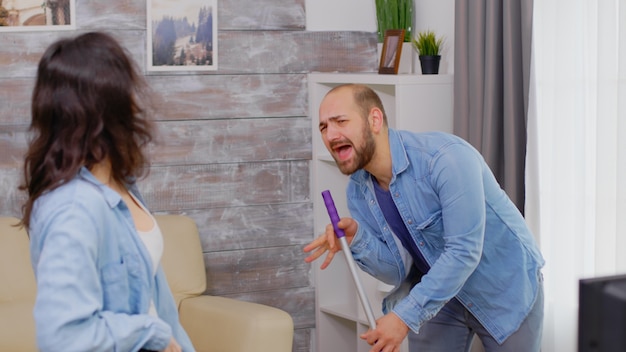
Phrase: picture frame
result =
(192, 46)
(37, 15)
(391, 51)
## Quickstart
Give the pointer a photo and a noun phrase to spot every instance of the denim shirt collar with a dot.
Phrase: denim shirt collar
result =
(399, 159)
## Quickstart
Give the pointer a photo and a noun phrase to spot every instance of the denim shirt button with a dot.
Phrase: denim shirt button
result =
(421, 243)
(396, 194)
(410, 221)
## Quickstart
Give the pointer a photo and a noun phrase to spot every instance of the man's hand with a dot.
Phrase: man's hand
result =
(328, 242)
(388, 336)
(173, 346)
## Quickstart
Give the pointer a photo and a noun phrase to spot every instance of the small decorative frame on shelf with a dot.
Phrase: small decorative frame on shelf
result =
(182, 35)
(392, 49)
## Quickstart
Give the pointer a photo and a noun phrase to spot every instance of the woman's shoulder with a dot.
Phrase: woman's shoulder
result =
(77, 190)
(78, 197)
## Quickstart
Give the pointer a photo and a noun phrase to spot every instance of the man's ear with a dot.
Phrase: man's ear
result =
(376, 119)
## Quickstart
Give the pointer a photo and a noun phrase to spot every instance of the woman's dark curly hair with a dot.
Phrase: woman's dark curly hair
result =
(87, 106)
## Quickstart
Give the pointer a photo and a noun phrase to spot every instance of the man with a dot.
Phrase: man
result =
(429, 218)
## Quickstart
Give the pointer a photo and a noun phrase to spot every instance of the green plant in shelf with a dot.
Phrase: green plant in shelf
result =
(394, 14)
(426, 43)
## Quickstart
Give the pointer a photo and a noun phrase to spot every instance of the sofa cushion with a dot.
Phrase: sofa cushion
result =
(17, 327)
(183, 256)
(17, 290)
(225, 324)
(16, 273)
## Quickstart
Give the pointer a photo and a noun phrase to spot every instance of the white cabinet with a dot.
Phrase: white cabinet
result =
(412, 102)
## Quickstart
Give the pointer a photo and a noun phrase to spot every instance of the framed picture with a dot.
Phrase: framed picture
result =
(182, 35)
(37, 15)
(390, 54)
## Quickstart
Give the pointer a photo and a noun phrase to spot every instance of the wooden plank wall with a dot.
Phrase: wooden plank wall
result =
(234, 146)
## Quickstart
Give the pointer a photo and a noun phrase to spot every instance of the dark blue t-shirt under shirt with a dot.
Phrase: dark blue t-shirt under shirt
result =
(398, 227)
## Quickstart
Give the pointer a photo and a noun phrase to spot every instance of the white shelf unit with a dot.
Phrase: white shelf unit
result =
(412, 102)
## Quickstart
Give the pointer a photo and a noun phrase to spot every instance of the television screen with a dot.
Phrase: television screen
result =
(602, 314)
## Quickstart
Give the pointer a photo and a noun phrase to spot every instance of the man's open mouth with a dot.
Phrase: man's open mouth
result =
(342, 151)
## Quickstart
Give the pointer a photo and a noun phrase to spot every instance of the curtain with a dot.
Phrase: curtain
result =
(491, 80)
(576, 166)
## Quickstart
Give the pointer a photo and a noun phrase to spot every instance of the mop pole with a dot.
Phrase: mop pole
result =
(334, 219)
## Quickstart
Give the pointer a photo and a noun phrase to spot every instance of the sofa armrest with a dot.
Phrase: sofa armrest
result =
(225, 324)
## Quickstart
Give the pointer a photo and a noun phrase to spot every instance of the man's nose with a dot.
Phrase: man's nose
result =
(332, 133)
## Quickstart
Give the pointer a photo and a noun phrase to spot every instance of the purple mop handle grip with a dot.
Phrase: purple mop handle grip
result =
(341, 235)
(332, 212)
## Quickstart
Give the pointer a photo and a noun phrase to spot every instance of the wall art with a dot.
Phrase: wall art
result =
(37, 15)
(182, 35)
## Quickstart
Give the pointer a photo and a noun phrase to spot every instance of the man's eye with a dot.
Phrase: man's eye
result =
(322, 128)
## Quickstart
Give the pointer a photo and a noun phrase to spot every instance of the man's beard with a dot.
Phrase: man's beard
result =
(361, 156)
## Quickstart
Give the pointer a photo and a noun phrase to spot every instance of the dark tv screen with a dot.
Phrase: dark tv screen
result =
(602, 314)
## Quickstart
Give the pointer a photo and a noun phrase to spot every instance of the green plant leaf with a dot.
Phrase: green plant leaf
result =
(394, 14)
(427, 43)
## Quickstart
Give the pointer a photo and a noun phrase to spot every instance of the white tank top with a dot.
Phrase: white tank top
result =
(153, 240)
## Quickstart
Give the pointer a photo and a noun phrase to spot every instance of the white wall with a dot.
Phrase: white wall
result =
(340, 15)
(360, 15)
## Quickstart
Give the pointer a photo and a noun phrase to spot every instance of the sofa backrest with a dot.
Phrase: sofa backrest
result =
(182, 260)
(16, 274)
(17, 289)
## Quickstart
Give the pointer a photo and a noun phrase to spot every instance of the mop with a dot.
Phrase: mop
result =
(334, 219)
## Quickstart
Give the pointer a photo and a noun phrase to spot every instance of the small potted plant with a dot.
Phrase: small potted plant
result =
(428, 46)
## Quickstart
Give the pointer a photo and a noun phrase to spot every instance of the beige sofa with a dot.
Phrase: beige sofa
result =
(214, 323)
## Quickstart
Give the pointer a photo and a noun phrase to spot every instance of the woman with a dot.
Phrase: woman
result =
(95, 248)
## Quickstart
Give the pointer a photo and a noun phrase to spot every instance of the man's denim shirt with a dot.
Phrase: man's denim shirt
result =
(473, 237)
(93, 274)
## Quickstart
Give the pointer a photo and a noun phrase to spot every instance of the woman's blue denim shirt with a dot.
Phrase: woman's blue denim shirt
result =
(473, 237)
(94, 281)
